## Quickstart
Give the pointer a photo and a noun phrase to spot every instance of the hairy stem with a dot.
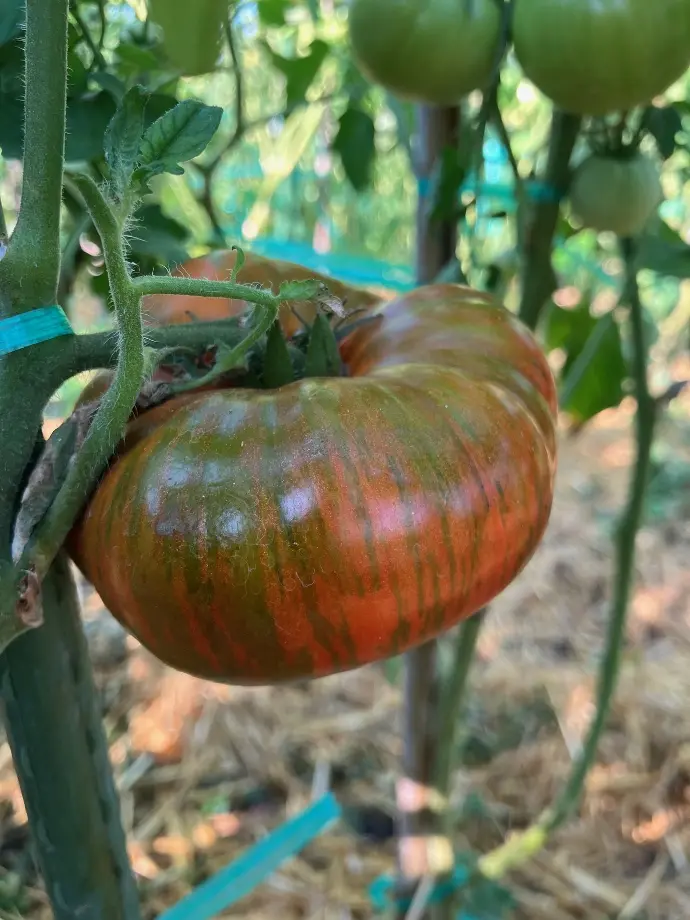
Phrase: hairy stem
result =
(538, 279)
(116, 405)
(523, 846)
(32, 265)
(200, 287)
(61, 757)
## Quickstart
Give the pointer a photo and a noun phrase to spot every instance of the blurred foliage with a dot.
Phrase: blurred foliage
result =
(313, 164)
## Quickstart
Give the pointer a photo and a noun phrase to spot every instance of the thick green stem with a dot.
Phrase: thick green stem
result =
(452, 699)
(538, 279)
(523, 846)
(61, 757)
(436, 241)
(116, 405)
(32, 265)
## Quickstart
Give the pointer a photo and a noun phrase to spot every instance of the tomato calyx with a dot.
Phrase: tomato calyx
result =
(276, 360)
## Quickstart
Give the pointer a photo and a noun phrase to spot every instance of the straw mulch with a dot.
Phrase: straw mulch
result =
(205, 770)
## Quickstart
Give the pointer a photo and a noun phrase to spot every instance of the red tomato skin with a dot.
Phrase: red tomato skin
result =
(260, 537)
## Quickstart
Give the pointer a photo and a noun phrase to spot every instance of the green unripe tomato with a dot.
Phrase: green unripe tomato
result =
(192, 32)
(592, 57)
(617, 195)
(433, 51)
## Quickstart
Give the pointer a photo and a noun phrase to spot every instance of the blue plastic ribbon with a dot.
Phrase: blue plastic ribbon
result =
(30, 328)
(255, 865)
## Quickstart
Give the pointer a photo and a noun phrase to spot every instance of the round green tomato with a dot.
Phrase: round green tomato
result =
(436, 51)
(618, 195)
(192, 32)
(592, 57)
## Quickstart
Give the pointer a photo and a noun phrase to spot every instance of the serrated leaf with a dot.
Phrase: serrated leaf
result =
(323, 357)
(299, 72)
(123, 138)
(278, 370)
(355, 144)
(181, 134)
(663, 123)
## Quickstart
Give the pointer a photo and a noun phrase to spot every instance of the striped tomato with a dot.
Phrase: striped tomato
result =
(258, 537)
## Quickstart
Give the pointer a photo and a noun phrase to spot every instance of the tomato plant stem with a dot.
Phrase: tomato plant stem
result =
(53, 720)
(538, 279)
(30, 270)
(437, 128)
(453, 698)
(525, 845)
(116, 405)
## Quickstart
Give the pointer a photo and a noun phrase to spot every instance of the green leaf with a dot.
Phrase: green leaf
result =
(278, 370)
(595, 368)
(181, 134)
(299, 72)
(78, 75)
(11, 134)
(123, 138)
(300, 290)
(88, 118)
(323, 357)
(272, 12)
(137, 60)
(110, 83)
(663, 123)
(665, 252)
(11, 19)
(157, 239)
(355, 144)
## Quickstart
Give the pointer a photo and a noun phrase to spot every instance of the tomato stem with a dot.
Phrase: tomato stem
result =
(538, 279)
(30, 270)
(453, 697)
(116, 405)
(523, 846)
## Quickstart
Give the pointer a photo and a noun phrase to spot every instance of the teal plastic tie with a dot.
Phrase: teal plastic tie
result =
(255, 865)
(383, 897)
(41, 325)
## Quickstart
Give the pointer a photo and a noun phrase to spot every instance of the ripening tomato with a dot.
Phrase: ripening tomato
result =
(255, 537)
(192, 32)
(592, 57)
(616, 194)
(436, 52)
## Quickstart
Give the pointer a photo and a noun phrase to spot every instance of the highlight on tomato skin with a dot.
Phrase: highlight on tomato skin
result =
(257, 537)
